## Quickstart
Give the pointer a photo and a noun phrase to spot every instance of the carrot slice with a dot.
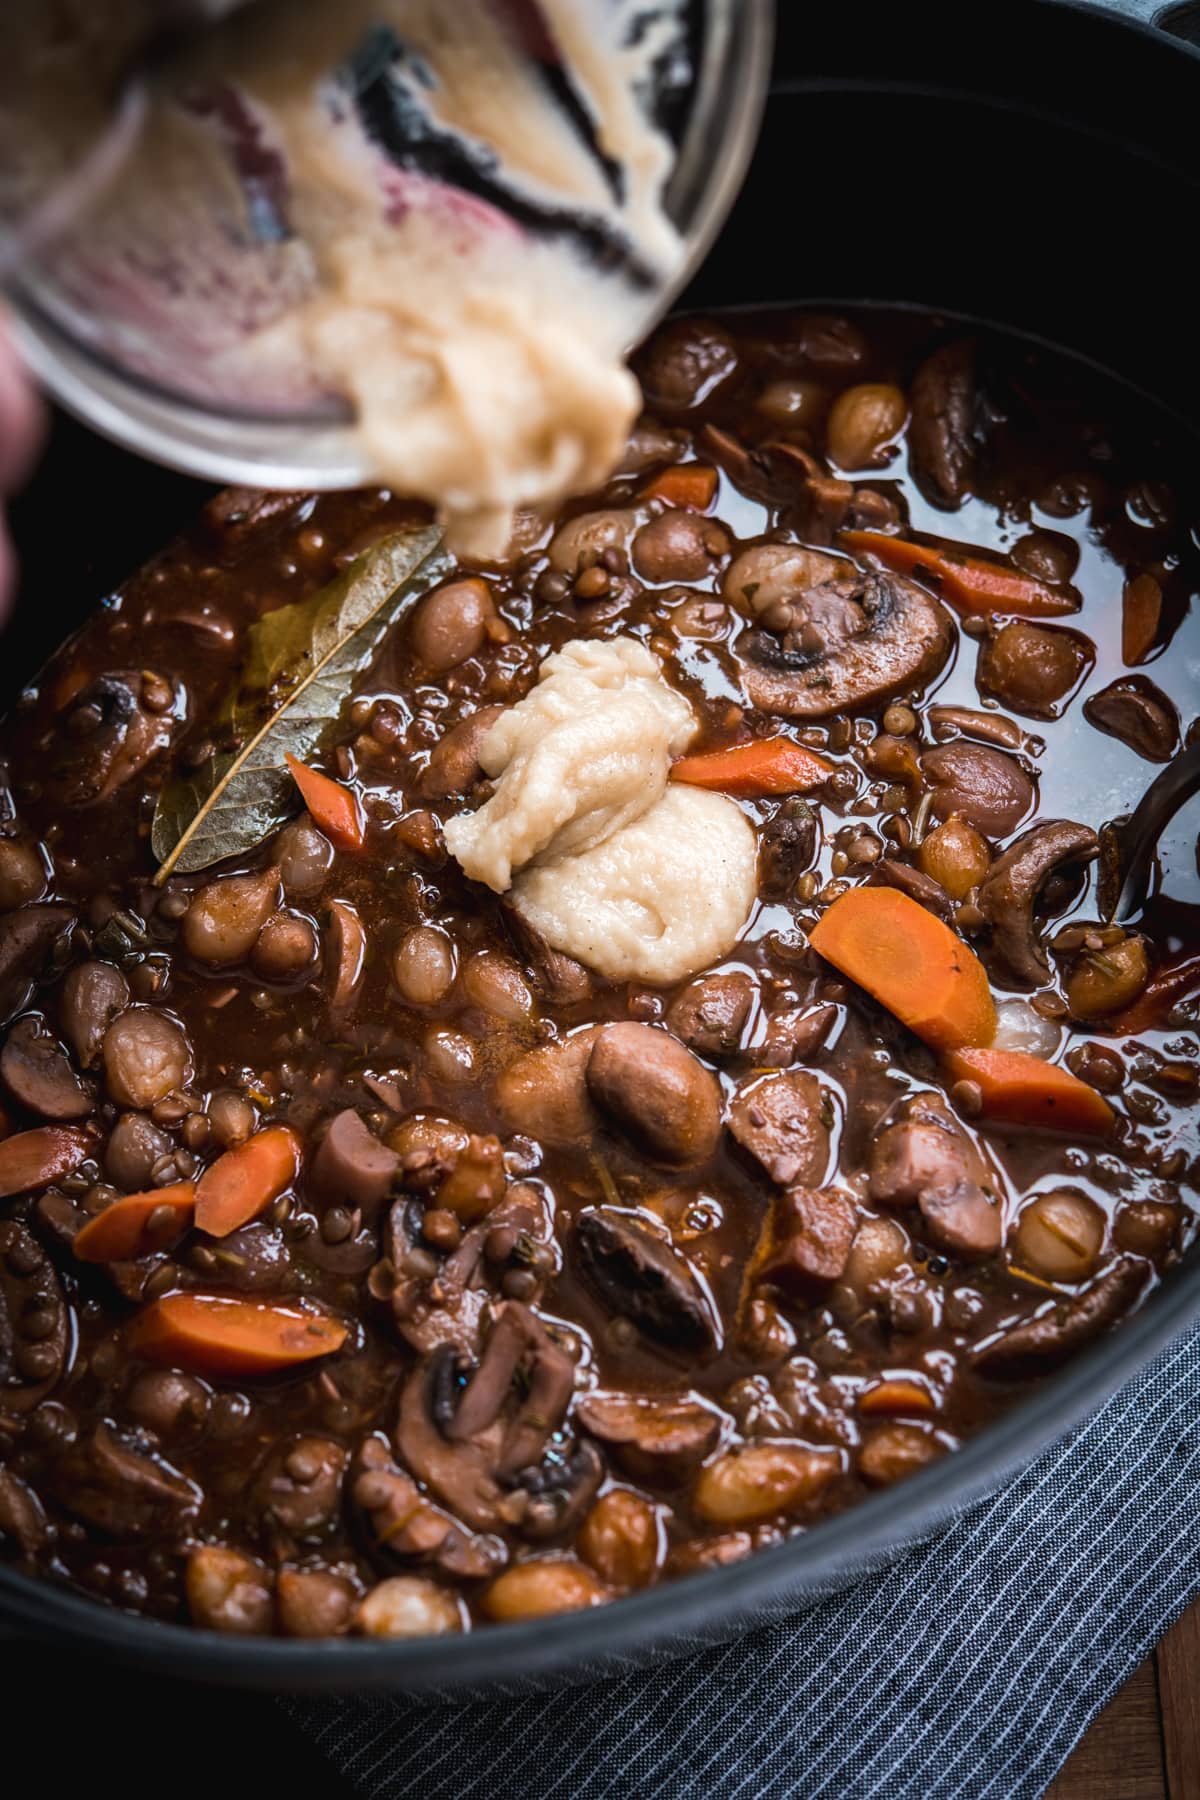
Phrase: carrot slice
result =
(1141, 613)
(333, 807)
(768, 766)
(690, 485)
(209, 1334)
(123, 1230)
(32, 1159)
(243, 1182)
(1019, 1089)
(911, 963)
(970, 584)
(896, 1396)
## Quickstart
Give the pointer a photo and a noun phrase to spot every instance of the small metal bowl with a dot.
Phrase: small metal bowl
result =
(716, 142)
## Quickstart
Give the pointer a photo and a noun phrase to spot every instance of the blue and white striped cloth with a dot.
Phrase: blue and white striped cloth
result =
(966, 1672)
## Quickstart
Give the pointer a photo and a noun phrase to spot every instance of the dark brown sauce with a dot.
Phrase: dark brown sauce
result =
(1065, 453)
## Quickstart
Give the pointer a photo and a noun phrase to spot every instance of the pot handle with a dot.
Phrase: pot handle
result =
(1179, 18)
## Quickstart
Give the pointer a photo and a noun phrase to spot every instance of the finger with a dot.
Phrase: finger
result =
(22, 417)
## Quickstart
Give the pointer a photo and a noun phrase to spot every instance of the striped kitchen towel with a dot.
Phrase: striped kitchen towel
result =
(966, 1672)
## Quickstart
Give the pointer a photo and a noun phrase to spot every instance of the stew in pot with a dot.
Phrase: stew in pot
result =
(524, 1080)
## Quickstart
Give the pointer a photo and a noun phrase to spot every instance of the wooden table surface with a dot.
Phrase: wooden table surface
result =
(1146, 1743)
(1144, 1746)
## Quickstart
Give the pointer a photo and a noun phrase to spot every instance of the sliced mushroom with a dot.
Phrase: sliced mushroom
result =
(114, 727)
(28, 938)
(399, 1522)
(783, 1121)
(643, 1278)
(1065, 1327)
(345, 948)
(352, 1167)
(659, 1094)
(557, 978)
(32, 1159)
(123, 1490)
(972, 722)
(783, 475)
(560, 1492)
(430, 1309)
(38, 1073)
(766, 575)
(890, 872)
(655, 1439)
(462, 1445)
(988, 789)
(942, 431)
(793, 1035)
(34, 1322)
(1139, 713)
(460, 1473)
(298, 1490)
(518, 1344)
(851, 642)
(447, 1307)
(454, 764)
(1009, 893)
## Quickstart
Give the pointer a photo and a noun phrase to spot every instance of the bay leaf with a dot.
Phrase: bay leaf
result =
(299, 665)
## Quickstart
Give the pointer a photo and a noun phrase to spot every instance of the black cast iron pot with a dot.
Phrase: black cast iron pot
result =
(1032, 164)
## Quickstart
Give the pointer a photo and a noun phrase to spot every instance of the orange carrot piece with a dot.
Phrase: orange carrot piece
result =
(1141, 614)
(242, 1183)
(911, 963)
(33, 1159)
(333, 807)
(208, 1334)
(896, 1396)
(1019, 1089)
(969, 583)
(1177, 981)
(775, 765)
(123, 1230)
(690, 485)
